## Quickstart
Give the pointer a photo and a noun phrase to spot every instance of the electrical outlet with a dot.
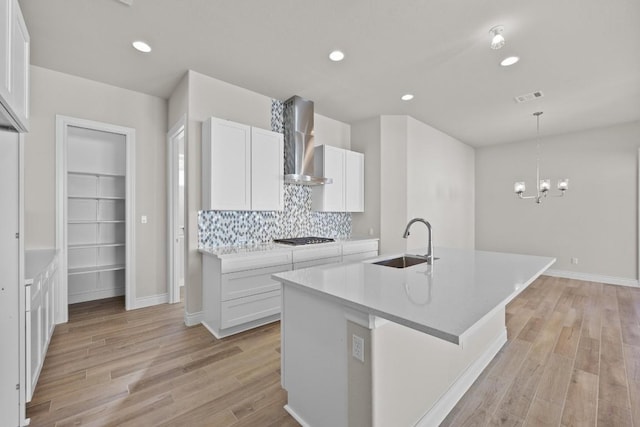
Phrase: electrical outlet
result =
(143, 219)
(574, 260)
(357, 347)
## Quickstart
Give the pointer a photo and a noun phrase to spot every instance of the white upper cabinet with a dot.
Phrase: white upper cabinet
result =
(20, 46)
(226, 165)
(346, 168)
(5, 49)
(14, 67)
(267, 170)
(354, 181)
(242, 167)
(329, 163)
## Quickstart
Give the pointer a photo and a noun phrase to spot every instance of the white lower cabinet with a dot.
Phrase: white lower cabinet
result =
(359, 250)
(41, 292)
(238, 292)
(242, 299)
(244, 310)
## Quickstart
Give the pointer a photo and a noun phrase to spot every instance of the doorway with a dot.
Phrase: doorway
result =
(176, 184)
(95, 173)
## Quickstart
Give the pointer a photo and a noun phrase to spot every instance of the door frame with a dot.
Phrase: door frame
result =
(62, 125)
(173, 288)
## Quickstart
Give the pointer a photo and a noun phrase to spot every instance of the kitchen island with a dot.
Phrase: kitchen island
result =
(366, 344)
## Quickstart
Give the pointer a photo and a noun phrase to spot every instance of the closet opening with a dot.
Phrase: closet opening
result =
(95, 213)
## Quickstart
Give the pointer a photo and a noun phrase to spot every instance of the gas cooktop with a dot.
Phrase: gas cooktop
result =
(297, 241)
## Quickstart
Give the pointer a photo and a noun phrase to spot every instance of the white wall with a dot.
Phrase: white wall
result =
(54, 93)
(595, 222)
(440, 173)
(393, 183)
(331, 132)
(365, 138)
(413, 170)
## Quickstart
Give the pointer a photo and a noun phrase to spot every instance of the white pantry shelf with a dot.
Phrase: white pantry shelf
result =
(95, 269)
(98, 174)
(97, 197)
(95, 221)
(95, 245)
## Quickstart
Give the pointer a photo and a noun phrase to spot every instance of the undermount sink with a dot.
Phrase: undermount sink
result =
(402, 262)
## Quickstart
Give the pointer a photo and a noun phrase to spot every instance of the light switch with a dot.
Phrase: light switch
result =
(143, 219)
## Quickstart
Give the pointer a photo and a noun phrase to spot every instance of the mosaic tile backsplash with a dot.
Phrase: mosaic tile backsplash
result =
(231, 228)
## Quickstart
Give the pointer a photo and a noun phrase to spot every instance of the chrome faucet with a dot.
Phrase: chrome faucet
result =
(429, 254)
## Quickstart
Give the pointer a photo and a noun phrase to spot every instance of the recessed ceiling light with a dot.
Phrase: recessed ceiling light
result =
(407, 97)
(336, 56)
(141, 46)
(510, 60)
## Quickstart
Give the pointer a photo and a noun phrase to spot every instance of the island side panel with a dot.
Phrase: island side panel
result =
(314, 366)
(418, 378)
(211, 269)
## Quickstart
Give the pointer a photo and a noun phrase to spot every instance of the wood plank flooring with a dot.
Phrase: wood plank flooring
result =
(110, 367)
(572, 359)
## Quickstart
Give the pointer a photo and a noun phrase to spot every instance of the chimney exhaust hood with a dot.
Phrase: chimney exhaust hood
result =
(298, 143)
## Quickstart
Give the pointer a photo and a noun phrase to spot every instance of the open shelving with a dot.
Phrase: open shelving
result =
(96, 216)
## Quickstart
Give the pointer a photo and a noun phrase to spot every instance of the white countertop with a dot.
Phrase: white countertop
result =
(232, 251)
(443, 300)
(36, 260)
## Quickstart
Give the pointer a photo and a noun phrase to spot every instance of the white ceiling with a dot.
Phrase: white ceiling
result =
(584, 55)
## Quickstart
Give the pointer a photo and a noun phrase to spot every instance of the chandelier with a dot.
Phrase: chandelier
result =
(544, 185)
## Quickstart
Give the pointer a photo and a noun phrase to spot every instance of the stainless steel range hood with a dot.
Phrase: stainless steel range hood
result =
(298, 143)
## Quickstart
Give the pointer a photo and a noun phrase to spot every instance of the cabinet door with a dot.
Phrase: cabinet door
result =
(5, 50)
(9, 280)
(329, 162)
(354, 181)
(20, 68)
(267, 170)
(226, 165)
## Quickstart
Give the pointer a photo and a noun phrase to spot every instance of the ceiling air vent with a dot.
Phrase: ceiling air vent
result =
(528, 97)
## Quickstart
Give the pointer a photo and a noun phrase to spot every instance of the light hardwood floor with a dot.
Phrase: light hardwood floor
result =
(110, 367)
(572, 359)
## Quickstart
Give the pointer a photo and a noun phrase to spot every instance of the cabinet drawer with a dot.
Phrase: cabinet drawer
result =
(248, 262)
(314, 253)
(359, 247)
(246, 309)
(314, 262)
(360, 256)
(251, 282)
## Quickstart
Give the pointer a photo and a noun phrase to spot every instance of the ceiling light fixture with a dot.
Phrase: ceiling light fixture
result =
(509, 60)
(407, 97)
(141, 46)
(544, 185)
(336, 56)
(497, 39)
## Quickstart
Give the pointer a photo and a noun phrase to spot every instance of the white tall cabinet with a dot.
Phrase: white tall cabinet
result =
(242, 167)
(14, 114)
(12, 292)
(96, 214)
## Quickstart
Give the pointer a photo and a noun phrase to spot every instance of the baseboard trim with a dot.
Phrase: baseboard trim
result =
(295, 416)
(193, 319)
(152, 300)
(610, 280)
(446, 403)
(94, 295)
